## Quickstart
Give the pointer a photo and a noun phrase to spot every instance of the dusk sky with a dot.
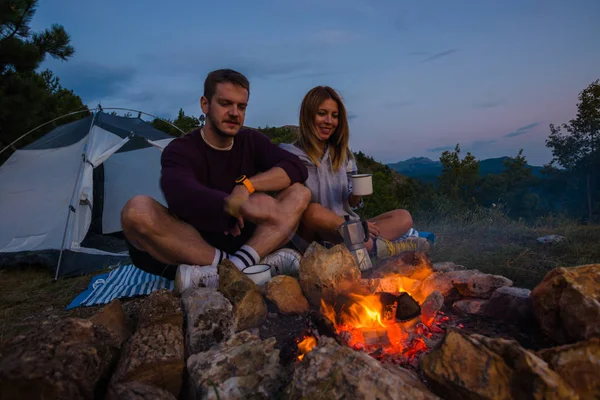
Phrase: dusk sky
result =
(417, 77)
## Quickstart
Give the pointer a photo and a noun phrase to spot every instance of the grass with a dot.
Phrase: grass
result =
(485, 240)
(29, 295)
(492, 243)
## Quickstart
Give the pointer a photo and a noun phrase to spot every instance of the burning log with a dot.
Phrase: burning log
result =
(401, 307)
(321, 324)
(407, 308)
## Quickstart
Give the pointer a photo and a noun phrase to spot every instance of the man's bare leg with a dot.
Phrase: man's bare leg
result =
(149, 227)
(275, 229)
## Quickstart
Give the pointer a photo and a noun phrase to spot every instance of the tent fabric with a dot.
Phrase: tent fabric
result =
(47, 191)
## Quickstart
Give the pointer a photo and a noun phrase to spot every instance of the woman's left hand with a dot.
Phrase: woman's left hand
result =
(373, 229)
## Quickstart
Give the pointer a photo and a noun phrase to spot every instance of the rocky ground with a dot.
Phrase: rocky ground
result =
(237, 341)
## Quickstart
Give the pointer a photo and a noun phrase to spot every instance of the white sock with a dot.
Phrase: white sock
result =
(219, 256)
(244, 257)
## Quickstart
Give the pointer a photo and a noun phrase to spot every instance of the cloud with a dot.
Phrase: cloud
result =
(482, 143)
(440, 55)
(352, 116)
(522, 130)
(442, 148)
(93, 81)
(489, 104)
(528, 127)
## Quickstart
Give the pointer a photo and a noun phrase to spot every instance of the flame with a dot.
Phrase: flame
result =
(364, 312)
(360, 322)
(306, 345)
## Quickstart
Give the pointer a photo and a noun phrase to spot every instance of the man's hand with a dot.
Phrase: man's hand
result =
(259, 208)
(241, 195)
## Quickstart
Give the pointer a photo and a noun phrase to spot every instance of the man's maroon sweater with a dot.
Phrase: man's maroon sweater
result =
(196, 178)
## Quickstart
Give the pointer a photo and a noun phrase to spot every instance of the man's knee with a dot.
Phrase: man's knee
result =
(138, 214)
(302, 194)
(297, 198)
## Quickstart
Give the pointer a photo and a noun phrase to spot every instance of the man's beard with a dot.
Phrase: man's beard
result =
(216, 128)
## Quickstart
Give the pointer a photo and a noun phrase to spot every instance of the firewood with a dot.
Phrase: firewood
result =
(407, 308)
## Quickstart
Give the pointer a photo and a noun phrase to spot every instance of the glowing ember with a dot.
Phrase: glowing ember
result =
(364, 324)
(306, 345)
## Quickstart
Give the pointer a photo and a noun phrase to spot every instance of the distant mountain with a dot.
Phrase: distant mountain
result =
(427, 170)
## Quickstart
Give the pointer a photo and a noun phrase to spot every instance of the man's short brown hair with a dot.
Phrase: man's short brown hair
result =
(222, 76)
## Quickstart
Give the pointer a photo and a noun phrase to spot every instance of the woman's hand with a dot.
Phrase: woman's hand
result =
(373, 229)
(353, 200)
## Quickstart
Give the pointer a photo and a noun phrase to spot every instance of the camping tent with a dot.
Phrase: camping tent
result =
(61, 196)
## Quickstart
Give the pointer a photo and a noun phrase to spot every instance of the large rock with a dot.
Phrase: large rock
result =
(325, 273)
(331, 371)
(567, 303)
(447, 266)
(249, 307)
(285, 292)
(578, 364)
(114, 320)
(444, 282)
(392, 284)
(210, 319)
(160, 307)
(471, 306)
(413, 265)
(70, 360)
(510, 303)
(432, 304)
(138, 391)
(481, 285)
(477, 367)
(154, 355)
(242, 367)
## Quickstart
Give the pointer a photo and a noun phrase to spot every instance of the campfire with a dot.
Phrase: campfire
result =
(386, 325)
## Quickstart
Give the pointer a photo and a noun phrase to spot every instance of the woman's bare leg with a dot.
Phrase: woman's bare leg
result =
(322, 222)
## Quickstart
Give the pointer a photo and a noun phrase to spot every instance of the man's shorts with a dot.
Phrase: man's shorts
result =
(227, 243)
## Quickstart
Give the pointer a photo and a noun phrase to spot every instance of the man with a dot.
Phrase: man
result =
(212, 179)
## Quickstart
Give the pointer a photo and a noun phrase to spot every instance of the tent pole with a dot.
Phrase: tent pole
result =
(11, 145)
(71, 207)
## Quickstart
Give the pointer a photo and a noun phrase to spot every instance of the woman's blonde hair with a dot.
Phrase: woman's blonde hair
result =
(309, 139)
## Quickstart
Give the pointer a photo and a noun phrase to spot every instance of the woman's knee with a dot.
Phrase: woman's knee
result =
(404, 216)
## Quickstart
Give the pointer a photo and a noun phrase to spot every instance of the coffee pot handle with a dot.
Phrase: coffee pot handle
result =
(366, 229)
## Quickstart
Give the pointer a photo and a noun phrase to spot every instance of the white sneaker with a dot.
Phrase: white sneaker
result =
(283, 261)
(191, 276)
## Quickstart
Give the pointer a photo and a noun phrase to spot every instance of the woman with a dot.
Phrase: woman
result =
(323, 147)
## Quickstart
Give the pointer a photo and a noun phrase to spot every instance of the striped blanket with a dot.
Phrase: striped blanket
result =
(122, 282)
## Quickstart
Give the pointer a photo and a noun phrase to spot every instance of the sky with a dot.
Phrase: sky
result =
(417, 77)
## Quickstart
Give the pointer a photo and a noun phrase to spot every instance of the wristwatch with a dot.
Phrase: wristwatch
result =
(246, 182)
